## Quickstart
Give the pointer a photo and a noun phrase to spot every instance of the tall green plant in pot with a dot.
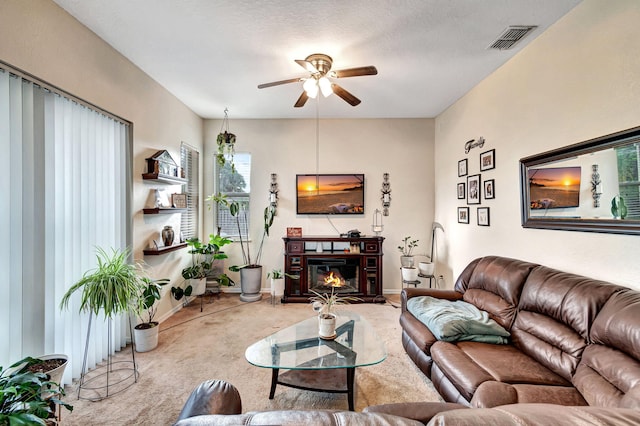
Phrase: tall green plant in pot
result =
(250, 270)
(146, 331)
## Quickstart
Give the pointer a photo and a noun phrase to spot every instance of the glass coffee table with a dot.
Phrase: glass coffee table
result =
(316, 364)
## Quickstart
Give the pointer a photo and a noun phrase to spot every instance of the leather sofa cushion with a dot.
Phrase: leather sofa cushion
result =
(494, 284)
(300, 417)
(555, 314)
(492, 394)
(417, 331)
(537, 415)
(469, 364)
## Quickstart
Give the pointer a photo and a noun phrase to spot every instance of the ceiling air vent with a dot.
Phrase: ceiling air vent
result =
(511, 36)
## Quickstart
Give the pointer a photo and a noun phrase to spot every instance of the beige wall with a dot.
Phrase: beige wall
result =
(577, 81)
(401, 147)
(42, 39)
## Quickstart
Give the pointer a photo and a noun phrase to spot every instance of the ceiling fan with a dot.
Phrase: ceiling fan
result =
(319, 65)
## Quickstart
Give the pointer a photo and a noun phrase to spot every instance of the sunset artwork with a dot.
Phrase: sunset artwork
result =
(553, 188)
(330, 194)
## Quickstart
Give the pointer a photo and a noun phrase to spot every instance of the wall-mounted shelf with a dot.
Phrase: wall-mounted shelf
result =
(163, 250)
(161, 178)
(163, 210)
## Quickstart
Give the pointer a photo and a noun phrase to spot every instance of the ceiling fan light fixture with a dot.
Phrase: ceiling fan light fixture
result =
(311, 87)
(325, 86)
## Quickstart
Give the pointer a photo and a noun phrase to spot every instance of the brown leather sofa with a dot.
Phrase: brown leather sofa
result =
(217, 402)
(574, 341)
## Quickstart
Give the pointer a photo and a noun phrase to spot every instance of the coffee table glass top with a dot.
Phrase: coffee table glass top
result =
(298, 347)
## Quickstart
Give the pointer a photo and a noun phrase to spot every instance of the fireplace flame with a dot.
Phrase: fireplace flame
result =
(334, 280)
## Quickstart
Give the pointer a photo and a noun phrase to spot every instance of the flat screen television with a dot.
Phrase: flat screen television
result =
(554, 187)
(330, 194)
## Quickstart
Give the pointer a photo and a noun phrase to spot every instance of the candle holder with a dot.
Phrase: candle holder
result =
(376, 226)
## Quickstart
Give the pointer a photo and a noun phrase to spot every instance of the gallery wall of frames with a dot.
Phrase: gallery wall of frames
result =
(476, 184)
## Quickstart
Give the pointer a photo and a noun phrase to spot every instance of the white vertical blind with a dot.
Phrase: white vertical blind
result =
(67, 191)
(189, 161)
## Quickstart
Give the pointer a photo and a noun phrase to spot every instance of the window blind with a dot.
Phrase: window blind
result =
(189, 161)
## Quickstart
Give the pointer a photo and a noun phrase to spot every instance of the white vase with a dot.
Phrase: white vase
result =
(410, 274)
(406, 261)
(198, 286)
(327, 326)
(426, 268)
(146, 339)
(251, 283)
(277, 289)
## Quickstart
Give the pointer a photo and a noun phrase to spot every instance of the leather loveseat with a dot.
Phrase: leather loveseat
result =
(574, 341)
(217, 402)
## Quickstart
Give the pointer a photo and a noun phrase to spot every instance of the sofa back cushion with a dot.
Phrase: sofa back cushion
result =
(609, 372)
(555, 314)
(493, 284)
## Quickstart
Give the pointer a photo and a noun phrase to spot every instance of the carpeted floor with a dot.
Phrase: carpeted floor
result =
(197, 346)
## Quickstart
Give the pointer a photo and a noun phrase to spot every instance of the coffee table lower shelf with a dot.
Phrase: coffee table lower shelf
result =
(334, 380)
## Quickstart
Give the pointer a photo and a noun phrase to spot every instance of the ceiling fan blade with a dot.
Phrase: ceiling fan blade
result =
(301, 100)
(307, 65)
(277, 83)
(345, 95)
(354, 72)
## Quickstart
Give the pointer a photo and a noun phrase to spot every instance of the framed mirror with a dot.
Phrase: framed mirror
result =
(591, 186)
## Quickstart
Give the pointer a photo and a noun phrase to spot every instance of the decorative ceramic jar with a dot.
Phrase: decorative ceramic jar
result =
(168, 236)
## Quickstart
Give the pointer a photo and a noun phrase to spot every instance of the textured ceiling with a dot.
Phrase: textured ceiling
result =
(212, 54)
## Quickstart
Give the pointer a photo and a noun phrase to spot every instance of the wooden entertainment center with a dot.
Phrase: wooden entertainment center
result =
(358, 260)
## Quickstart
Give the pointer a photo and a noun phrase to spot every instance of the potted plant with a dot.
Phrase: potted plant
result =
(325, 304)
(406, 250)
(27, 397)
(277, 283)
(203, 258)
(226, 148)
(250, 270)
(113, 287)
(146, 331)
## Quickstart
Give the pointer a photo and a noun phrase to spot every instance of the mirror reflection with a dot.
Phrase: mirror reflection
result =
(591, 186)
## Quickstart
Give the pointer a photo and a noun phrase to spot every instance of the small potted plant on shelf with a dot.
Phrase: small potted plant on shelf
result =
(325, 304)
(406, 250)
(28, 397)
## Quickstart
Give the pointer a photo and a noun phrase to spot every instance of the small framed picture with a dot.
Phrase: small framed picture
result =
(489, 191)
(461, 191)
(473, 189)
(462, 167)
(483, 216)
(463, 214)
(179, 201)
(488, 160)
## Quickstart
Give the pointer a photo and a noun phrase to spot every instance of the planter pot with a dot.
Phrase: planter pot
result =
(198, 286)
(251, 283)
(426, 268)
(277, 289)
(406, 261)
(327, 326)
(54, 375)
(410, 274)
(146, 336)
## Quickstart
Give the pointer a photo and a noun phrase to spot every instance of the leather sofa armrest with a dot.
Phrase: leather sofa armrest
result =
(408, 293)
(420, 411)
(212, 397)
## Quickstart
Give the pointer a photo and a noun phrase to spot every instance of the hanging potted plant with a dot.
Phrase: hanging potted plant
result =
(250, 270)
(226, 143)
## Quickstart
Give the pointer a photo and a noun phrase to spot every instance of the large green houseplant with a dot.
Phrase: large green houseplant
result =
(203, 258)
(251, 269)
(113, 287)
(28, 398)
(146, 331)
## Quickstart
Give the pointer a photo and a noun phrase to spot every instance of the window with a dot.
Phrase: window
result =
(629, 179)
(235, 185)
(189, 160)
